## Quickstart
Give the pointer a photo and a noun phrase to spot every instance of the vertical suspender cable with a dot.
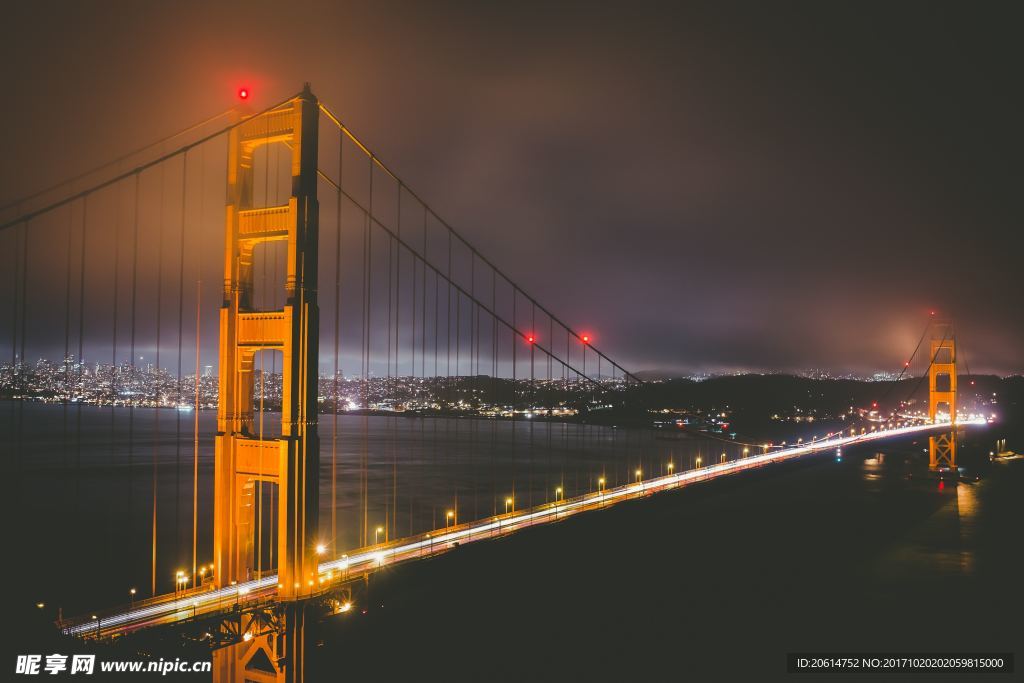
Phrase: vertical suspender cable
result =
(133, 377)
(337, 328)
(195, 437)
(515, 375)
(195, 420)
(81, 360)
(533, 347)
(67, 339)
(157, 410)
(389, 507)
(494, 390)
(398, 346)
(113, 353)
(423, 303)
(16, 367)
(364, 377)
(181, 318)
(473, 372)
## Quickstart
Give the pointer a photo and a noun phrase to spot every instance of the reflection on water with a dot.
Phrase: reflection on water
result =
(940, 544)
(967, 508)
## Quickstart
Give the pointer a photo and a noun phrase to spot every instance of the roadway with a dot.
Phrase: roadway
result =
(172, 608)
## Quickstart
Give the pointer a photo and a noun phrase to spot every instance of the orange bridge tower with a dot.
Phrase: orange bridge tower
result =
(245, 463)
(942, 393)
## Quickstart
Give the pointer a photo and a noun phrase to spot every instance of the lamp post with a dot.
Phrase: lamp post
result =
(376, 535)
(449, 519)
(320, 549)
(131, 599)
(509, 502)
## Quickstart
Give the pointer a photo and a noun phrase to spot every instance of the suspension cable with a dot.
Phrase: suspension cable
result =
(375, 160)
(140, 168)
(113, 162)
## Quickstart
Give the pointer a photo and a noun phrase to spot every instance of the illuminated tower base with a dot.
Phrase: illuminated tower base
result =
(273, 651)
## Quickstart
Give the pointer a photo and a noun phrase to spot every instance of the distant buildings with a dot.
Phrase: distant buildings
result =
(102, 384)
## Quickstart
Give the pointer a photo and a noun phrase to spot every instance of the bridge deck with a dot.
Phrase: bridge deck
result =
(172, 608)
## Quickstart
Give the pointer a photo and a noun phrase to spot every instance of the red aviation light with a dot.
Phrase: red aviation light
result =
(243, 93)
(530, 338)
(585, 338)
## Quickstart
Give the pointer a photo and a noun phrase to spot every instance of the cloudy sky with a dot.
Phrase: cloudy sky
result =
(706, 186)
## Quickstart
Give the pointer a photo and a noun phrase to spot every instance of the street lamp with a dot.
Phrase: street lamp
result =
(449, 518)
(671, 466)
(320, 549)
(600, 485)
(131, 593)
(509, 503)
(376, 534)
(698, 461)
(638, 473)
(182, 583)
(746, 451)
(723, 457)
(558, 494)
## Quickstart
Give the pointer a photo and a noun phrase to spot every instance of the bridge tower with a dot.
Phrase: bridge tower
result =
(942, 392)
(242, 459)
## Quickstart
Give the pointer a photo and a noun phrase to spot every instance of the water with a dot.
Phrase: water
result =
(719, 580)
(86, 482)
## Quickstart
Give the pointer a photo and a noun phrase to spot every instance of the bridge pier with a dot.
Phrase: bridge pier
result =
(270, 650)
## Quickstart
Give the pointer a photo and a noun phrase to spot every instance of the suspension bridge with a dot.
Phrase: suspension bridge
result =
(314, 289)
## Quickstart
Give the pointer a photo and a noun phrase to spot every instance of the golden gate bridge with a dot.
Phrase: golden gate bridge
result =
(325, 258)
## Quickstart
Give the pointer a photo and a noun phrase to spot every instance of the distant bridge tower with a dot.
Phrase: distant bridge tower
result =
(291, 463)
(942, 392)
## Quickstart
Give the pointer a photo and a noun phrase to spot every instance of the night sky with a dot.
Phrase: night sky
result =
(708, 187)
